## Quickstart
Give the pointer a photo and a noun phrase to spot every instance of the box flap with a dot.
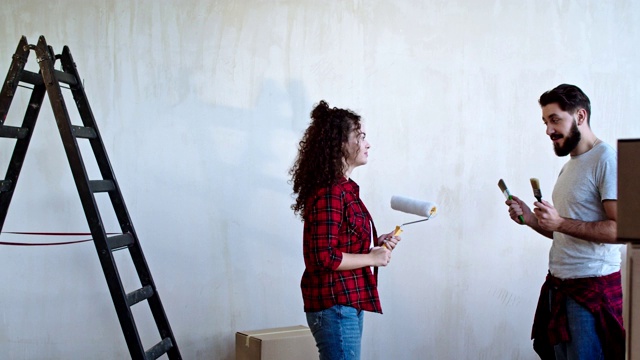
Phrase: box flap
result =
(275, 333)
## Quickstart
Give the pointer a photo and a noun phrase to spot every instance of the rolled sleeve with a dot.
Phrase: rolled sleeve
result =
(325, 221)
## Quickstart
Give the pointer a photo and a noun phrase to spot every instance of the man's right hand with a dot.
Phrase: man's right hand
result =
(517, 207)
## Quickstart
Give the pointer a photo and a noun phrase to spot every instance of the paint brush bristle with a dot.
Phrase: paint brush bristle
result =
(502, 185)
(503, 188)
(535, 185)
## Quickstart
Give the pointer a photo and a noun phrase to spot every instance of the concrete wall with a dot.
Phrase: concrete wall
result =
(201, 105)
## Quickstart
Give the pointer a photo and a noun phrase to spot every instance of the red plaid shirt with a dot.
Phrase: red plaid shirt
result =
(602, 296)
(337, 222)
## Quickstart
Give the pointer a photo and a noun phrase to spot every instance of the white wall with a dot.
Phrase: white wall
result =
(201, 105)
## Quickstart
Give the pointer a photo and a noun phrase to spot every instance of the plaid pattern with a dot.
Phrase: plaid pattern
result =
(337, 223)
(602, 296)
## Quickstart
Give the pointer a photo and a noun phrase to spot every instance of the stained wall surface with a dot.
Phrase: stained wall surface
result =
(201, 105)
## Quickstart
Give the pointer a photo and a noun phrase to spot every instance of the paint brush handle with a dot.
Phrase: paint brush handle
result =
(520, 216)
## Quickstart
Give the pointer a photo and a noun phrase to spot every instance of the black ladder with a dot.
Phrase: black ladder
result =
(48, 80)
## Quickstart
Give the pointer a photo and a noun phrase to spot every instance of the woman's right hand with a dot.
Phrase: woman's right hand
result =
(380, 255)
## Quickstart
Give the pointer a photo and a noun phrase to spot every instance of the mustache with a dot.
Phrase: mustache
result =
(556, 136)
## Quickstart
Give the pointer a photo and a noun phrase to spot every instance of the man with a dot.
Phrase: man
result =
(579, 313)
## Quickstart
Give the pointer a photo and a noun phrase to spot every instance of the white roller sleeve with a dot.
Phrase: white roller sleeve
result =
(413, 206)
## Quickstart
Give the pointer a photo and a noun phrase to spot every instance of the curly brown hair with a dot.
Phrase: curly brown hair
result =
(321, 152)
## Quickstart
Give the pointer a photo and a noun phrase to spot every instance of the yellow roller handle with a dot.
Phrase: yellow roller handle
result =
(396, 232)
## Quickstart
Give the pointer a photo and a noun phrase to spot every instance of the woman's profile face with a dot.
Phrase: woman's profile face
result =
(357, 148)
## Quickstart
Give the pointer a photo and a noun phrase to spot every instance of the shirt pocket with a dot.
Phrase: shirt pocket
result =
(357, 230)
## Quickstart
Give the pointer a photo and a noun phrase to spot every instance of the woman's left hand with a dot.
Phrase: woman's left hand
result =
(389, 240)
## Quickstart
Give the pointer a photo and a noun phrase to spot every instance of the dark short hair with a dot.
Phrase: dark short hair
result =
(569, 98)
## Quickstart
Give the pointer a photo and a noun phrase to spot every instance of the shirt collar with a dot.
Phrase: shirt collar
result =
(349, 184)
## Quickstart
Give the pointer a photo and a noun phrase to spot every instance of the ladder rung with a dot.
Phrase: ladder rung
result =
(64, 77)
(101, 186)
(36, 78)
(5, 185)
(31, 77)
(136, 296)
(159, 349)
(120, 241)
(13, 132)
(84, 132)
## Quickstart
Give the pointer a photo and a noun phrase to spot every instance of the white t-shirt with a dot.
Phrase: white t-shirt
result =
(584, 182)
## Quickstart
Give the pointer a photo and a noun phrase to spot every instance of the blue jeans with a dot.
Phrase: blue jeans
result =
(585, 343)
(338, 332)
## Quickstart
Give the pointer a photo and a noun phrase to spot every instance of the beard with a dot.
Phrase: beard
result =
(570, 142)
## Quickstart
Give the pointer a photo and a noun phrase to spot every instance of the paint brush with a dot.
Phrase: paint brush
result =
(507, 194)
(535, 185)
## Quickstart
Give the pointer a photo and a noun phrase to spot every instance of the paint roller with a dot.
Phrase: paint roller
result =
(412, 206)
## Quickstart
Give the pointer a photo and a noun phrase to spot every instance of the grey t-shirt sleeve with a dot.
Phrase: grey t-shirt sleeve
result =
(607, 174)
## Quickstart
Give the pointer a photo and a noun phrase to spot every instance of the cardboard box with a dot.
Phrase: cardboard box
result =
(629, 190)
(285, 343)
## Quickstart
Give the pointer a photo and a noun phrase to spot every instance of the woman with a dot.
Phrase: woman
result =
(337, 284)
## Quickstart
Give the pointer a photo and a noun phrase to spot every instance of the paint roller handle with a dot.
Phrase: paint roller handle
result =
(397, 231)
(384, 245)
